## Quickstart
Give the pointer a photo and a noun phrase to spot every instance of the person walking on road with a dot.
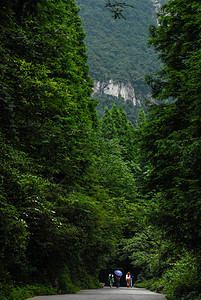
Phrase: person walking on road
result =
(117, 281)
(118, 275)
(128, 279)
(111, 279)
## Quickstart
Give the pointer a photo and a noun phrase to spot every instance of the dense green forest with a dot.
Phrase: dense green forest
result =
(118, 50)
(81, 196)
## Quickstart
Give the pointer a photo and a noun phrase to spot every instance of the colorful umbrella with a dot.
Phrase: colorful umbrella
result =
(118, 273)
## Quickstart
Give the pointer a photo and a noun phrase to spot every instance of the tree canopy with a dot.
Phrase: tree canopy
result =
(64, 188)
(173, 132)
(81, 196)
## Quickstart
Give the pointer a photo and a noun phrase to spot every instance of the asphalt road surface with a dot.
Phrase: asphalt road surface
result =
(107, 293)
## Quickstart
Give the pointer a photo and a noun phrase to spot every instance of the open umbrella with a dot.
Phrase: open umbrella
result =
(118, 273)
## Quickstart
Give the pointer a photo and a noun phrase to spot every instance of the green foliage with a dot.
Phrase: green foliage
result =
(141, 120)
(146, 255)
(173, 155)
(76, 194)
(177, 41)
(115, 174)
(181, 279)
(13, 292)
(39, 83)
(54, 218)
(59, 230)
(108, 128)
(115, 124)
(170, 146)
(58, 216)
(108, 101)
(65, 283)
(118, 49)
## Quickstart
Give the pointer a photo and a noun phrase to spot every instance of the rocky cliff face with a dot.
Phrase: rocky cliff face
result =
(157, 4)
(125, 90)
(116, 89)
(129, 47)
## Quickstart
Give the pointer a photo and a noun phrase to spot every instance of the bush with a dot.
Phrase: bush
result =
(182, 280)
(3, 292)
(90, 282)
(65, 284)
(12, 292)
(192, 296)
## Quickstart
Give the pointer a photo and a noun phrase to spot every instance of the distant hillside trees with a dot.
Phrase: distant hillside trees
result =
(118, 49)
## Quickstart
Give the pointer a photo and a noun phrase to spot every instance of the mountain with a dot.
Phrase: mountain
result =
(118, 54)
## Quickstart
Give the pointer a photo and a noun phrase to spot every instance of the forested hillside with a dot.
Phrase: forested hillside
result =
(81, 196)
(118, 49)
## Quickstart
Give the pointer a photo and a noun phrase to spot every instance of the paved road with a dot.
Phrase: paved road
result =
(107, 293)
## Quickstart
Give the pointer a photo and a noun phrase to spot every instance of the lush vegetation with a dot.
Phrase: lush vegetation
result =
(107, 101)
(170, 144)
(118, 49)
(80, 196)
(62, 211)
